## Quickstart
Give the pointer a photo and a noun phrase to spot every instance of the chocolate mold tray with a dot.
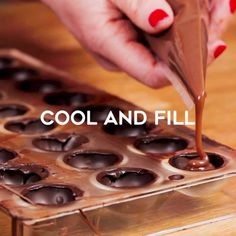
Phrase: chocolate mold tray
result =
(50, 171)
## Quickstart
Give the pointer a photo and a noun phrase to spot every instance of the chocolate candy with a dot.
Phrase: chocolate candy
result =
(127, 178)
(17, 73)
(6, 155)
(92, 159)
(67, 98)
(125, 130)
(182, 162)
(60, 142)
(39, 85)
(5, 62)
(99, 113)
(10, 110)
(160, 145)
(22, 175)
(28, 126)
(52, 195)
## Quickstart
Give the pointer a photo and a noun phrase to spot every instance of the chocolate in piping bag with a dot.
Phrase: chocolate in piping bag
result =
(182, 49)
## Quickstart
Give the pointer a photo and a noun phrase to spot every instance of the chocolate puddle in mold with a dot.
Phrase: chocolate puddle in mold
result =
(182, 52)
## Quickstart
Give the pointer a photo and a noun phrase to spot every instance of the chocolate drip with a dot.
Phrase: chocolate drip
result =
(203, 159)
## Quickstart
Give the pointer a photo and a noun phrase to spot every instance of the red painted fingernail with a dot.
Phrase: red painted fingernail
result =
(232, 4)
(156, 16)
(219, 50)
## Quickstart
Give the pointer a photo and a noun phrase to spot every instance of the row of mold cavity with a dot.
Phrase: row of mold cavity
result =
(28, 81)
(98, 113)
(117, 177)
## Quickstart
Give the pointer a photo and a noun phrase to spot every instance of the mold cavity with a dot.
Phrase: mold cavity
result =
(5, 62)
(6, 155)
(18, 73)
(40, 85)
(28, 126)
(126, 129)
(182, 162)
(10, 110)
(176, 177)
(22, 175)
(61, 142)
(67, 98)
(92, 159)
(52, 195)
(160, 145)
(99, 113)
(127, 178)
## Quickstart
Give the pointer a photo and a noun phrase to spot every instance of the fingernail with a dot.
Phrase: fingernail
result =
(156, 16)
(219, 50)
(232, 4)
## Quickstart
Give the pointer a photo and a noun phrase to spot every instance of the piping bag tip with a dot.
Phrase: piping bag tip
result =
(182, 49)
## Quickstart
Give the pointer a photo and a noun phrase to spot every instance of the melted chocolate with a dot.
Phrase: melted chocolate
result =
(203, 160)
(6, 155)
(28, 126)
(92, 159)
(10, 110)
(184, 162)
(125, 130)
(184, 51)
(22, 175)
(52, 195)
(127, 178)
(99, 113)
(61, 142)
(67, 98)
(5, 62)
(18, 73)
(39, 85)
(160, 145)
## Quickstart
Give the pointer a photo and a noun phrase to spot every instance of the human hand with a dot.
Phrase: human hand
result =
(108, 29)
(114, 40)
(220, 13)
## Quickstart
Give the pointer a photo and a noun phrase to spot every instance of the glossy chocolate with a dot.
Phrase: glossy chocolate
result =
(60, 142)
(92, 159)
(126, 130)
(52, 195)
(183, 162)
(10, 110)
(127, 178)
(28, 126)
(39, 85)
(185, 53)
(5, 62)
(183, 49)
(160, 145)
(22, 175)
(17, 73)
(6, 155)
(67, 98)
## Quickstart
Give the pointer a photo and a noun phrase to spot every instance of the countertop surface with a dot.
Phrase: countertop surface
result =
(33, 29)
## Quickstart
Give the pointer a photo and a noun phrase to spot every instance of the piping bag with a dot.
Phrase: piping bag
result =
(182, 52)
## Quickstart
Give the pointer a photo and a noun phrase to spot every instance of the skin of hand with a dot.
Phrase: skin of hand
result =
(111, 30)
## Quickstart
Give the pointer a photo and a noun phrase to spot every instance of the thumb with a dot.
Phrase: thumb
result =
(152, 16)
